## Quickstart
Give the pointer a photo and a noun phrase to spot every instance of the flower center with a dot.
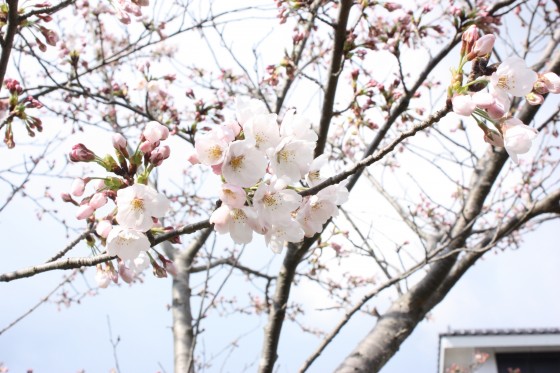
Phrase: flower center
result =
(269, 200)
(237, 162)
(215, 152)
(506, 82)
(314, 175)
(137, 204)
(284, 156)
(238, 216)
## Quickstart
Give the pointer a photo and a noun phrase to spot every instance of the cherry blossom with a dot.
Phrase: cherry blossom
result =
(211, 147)
(98, 200)
(247, 108)
(314, 177)
(280, 233)
(103, 228)
(274, 206)
(137, 204)
(297, 126)
(102, 278)
(518, 137)
(292, 158)
(233, 196)
(126, 243)
(78, 187)
(484, 45)
(262, 129)
(237, 222)
(244, 164)
(155, 132)
(514, 77)
(463, 105)
(319, 208)
(84, 211)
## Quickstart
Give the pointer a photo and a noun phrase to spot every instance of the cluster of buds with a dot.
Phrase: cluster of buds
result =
(18, 108)
(125, 8)
(261, 162)
(487, 95)
(36, 23)
(125, 231)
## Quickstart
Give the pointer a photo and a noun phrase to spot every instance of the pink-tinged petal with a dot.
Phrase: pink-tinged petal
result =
(78, 187)
(126, 243)
(463, 105)
(84, 212)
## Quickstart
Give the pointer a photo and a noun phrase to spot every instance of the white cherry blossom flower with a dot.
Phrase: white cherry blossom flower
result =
(514, 77)
(518, 137)
(286, 231)
(275, 206)
(212, 146)
(244, 165)
(102, 277)
(237, 222)
(247, 108)
(314, 177)
(137, 204)
(463, 105)
(232, 195)
(292, 158)
(319, 208)
(126, 243)
(262, 129)
(297, 126)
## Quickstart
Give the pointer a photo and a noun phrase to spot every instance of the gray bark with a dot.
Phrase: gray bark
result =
(183, 336)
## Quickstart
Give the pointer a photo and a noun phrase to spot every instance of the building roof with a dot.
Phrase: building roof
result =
(512, 331)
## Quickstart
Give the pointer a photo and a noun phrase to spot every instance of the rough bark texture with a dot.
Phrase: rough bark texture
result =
(183, 337)
(277, 311)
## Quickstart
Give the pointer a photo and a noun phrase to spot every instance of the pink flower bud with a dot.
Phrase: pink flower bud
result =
(98, 200)
(217, 169)
(469, 37)
(68, 198)
(463, 105)
(155, 132)
(193, 158)
(484, 45)
(99, 185)
(534, 98)
(84, 212)
(159, 155)
(552, 82)
(80, 153)
(78, 187)
(119, 142)
(126, 273)
(103, 228)
(101, 277)
(146, 147)
(168, 265)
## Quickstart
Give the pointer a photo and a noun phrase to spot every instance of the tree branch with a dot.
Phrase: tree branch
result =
(13, 23)
(334, 72)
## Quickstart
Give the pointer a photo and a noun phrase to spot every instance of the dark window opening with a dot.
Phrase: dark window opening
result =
(528, 362)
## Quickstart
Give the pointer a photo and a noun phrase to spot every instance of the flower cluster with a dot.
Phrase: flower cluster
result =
(125, 8)
(487, 96)
(138, 205)
(260, 162)
(19, 108)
